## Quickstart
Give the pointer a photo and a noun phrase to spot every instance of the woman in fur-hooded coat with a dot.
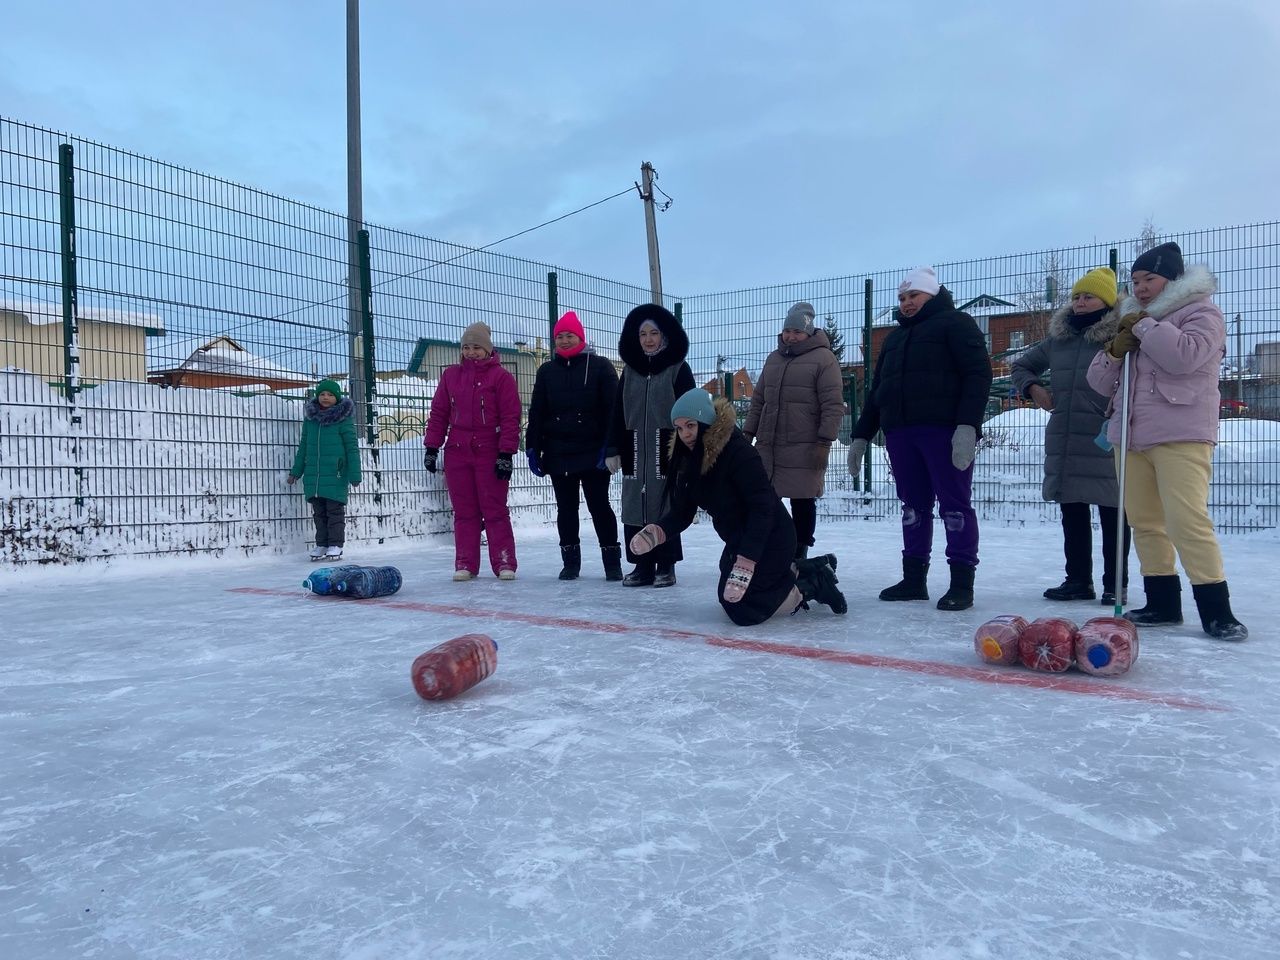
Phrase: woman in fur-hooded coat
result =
(1175, 337)
(641, 430)
(1078, 473)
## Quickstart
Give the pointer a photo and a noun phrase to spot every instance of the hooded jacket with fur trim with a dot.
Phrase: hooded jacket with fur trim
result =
(1076, 469)
(724, 476)
(328, 457)
(1173, 382)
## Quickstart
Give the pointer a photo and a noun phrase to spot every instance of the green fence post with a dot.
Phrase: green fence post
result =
(366, 334)
(678, 312)
(70, 292)
(866, 373)
(553, 307)
(363, 263)
(70, 301)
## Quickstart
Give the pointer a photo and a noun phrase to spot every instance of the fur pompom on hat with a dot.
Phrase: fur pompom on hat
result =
(478, 335)
(1165, 260)
(1101, 282)
(922, 279)
(329, 386)
(569, 323)
(696, 405)
(800, 317)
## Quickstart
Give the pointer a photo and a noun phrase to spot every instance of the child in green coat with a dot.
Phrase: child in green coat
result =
(327, 460)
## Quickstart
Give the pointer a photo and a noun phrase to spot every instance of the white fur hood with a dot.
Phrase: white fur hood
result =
(1196, 283)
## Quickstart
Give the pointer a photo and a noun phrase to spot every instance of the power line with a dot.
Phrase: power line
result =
(465, 253)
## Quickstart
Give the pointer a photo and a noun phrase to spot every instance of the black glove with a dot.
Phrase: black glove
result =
(503, 467)
(429, 459)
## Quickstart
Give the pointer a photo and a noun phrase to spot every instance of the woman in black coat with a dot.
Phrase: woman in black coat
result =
(713, 466)
(568, 427)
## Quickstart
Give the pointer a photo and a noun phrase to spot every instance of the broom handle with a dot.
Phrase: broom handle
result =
(1118, 586)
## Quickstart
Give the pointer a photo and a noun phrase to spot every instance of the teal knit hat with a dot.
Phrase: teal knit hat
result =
(696, 405)
(329, 386)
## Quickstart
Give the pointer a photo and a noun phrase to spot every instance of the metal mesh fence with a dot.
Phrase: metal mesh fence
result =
(1012, 298)
(160, 327)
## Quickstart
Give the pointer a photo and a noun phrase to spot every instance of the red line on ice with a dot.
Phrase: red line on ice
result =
(1091, 686)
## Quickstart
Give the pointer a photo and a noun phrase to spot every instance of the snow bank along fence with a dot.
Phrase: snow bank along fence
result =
(160, 327)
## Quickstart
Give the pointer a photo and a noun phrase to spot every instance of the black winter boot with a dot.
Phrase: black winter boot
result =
(817, 581)
(913, 585)
(571, 554)
(959, 595)
(1164, 602)
(641, 576)
(611, 554)
(1071, 590)
(665, 575)
(1214, 603)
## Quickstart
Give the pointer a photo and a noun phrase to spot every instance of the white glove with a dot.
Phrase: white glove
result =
(648, 538)
(964, 442)
(613, 464)
(857, 450)
(735, 585)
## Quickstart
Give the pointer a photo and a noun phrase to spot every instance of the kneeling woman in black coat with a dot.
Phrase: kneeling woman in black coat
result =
(713, 466)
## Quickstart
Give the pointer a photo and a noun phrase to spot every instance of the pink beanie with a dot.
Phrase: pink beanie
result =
(570, 323)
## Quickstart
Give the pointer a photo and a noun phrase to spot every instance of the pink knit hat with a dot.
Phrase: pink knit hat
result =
(569, 323)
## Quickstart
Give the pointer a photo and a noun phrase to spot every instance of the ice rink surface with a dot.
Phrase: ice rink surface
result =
(200, 761)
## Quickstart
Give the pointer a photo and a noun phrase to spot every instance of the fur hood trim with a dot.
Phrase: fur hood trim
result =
(1197, 283)
(1100, 332)
(714, 440)
(340, 411)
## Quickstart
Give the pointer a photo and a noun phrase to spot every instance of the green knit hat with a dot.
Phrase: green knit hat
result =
(329, 386)
(696, 405)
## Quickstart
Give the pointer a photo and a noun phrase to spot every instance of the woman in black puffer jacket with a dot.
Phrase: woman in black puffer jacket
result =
(568, 428)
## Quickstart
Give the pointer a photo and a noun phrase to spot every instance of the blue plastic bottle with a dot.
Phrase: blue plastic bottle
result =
(361, 583)
(321, 580)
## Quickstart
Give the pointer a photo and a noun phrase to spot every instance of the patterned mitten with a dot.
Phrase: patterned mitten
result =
(735, 585)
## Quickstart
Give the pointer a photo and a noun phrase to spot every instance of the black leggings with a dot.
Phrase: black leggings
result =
(1077, 544)
(804, 514)
(595, 488)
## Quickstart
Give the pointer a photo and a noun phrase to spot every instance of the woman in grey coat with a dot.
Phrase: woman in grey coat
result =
(1077, 472)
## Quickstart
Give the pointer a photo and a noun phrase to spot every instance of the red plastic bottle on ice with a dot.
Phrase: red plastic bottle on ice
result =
(456, 665)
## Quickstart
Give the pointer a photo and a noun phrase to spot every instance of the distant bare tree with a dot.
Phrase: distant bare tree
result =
(1148, 238)
(1041, 293)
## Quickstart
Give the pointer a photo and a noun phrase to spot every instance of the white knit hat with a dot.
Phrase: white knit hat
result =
(922, 279)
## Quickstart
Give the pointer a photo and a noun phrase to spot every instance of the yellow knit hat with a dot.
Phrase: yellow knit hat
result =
(1101, 282)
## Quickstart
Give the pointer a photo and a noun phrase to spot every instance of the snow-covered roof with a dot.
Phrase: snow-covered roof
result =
(218, 355)
(44, 314)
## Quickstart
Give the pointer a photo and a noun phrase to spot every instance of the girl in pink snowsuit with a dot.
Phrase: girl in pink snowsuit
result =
(477, 406)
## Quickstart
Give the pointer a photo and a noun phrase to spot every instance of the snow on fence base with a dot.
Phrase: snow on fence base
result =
(154, 470)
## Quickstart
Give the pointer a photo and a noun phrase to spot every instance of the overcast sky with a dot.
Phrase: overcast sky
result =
(798, 140)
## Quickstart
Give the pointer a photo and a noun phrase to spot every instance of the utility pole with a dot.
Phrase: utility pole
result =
(355, 214)
(647, 176)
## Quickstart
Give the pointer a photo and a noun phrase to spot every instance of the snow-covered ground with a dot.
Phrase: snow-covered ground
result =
(197, 771)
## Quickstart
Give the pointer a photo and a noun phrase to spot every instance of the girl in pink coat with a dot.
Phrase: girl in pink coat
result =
(1175, 338)
(477, 407)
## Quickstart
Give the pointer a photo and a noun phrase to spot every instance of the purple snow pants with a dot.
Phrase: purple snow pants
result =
(922, 469)
(479, 498)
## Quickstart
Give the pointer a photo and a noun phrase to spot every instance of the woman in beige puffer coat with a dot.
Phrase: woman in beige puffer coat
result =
(795, 415)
